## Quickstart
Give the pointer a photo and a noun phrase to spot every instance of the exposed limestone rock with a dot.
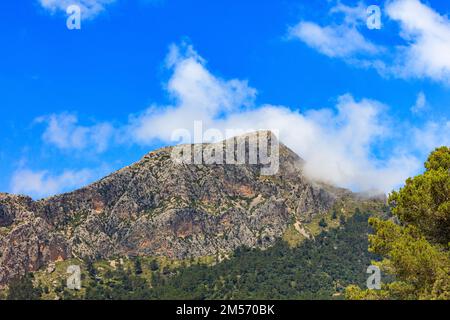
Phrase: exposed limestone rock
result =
(159, 207)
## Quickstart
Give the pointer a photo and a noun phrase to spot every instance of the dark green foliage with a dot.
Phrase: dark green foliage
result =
(119, 285)
(137, 266)
(22, 289)
(439, 159)
(415, 245)
(334, 216)
(90, 268)
(315, 270)
(154, 266)
(323, 223)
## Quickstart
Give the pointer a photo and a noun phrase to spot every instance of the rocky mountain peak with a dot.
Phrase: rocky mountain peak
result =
(158, 206)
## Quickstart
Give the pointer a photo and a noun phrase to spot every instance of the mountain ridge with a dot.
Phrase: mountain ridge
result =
(158, 207)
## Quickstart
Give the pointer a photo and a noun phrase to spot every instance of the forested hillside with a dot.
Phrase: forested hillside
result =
(319, 268)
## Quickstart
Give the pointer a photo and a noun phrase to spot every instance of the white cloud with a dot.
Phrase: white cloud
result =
(337, 143)
(340, 41)
(197, 95)
(89, 8)
(41, 184)
(423, 53)
(427, 33)
(64, 132)
(421, 103)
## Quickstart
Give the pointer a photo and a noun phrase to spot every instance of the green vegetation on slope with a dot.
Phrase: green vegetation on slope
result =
(318, 268)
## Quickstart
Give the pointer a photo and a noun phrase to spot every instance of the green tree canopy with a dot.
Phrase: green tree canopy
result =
(424, 201)
(415, 246)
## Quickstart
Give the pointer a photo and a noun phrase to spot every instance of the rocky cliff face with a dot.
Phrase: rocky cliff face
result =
(159, 207)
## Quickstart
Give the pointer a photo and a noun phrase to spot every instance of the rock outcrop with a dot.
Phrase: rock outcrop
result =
(160, 207)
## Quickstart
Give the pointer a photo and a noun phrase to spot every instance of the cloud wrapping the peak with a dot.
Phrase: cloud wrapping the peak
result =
(336, 142)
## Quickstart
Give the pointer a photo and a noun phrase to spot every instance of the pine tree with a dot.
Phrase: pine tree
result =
(416, 250)
(91, 268)
(137, 266)
(154, 266)
(334, 216)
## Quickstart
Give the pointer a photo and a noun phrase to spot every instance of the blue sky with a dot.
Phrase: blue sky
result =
(363, 107)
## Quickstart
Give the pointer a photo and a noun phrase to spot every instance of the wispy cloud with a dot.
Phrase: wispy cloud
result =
(63, 131)
(89, 8)
(421, 103)
(340, 39)
(334, 41)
